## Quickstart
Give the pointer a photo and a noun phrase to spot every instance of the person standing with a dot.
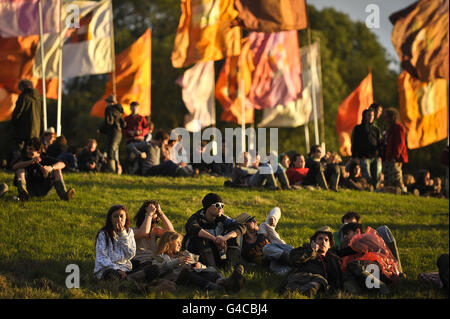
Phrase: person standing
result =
(395, 154)
(113, 125)
(27, 118)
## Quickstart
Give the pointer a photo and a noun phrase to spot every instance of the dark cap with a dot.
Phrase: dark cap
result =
(210, 199)
(244, 218)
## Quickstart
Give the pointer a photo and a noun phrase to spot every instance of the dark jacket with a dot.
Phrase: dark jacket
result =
(304, 259)
(113, 119)
(220, 226)
(28, 115)
(87, 157)
(366, 141)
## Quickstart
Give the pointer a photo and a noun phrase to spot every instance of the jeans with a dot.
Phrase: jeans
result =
(389, 239)
(274, 253)
(371, 169)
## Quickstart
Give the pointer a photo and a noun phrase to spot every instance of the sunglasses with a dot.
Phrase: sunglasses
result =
(219, 205)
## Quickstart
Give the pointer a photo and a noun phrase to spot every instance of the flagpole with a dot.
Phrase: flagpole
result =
(242, 87)
(307, 138)
(313, 95)
(58, 117)
(113, 52)
(322, 124)
(44, 91)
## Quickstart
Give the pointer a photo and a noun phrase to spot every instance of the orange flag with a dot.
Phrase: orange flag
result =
(17, 58)
(206, 32)
(423, 110)
(350, 113)
(420, 37)
(133, 78)
(234, 70)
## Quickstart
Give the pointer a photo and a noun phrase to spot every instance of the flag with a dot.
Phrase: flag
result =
(21, 18)
(350, 113)
(17, 59)
(198, 95)
(277, 75)
(86, 50)
(272, 15)
(423, 110)
(133, 78)
(420, 37)
(206, 32)
(236, 72)
(299, 112)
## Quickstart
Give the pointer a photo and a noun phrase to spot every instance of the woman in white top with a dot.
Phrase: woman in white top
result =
(115, 246)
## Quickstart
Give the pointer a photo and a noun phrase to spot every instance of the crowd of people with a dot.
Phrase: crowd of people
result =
(378, 153)
(353, 259)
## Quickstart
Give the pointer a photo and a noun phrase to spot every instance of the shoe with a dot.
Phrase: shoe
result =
(70, 194)
(23, 195)
(236, 281)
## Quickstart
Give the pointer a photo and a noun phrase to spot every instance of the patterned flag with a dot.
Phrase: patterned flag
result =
(272, 15)
(297, 113)
(17, 59)
(350, 113)
(277, 75)
(205, 32)
(86, 50)
(423, 110)
(198, 95)
(420, 37)
(21, 18)
(133, 78)
(236, 72)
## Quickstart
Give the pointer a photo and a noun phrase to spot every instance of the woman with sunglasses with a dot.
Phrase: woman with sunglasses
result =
(213, 235)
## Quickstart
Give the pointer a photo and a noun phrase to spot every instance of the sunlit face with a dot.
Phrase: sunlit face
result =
(323, 241)
(285, 161)
(175, 245)
(118, 218)
(252, 226)
(427, 179)
(134, 109)
(31, 152)
(348, 235)
(379, 112)
(92, 146)
(215, 210)
(300, 162)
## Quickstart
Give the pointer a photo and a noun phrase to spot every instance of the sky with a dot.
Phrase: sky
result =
(356, 9)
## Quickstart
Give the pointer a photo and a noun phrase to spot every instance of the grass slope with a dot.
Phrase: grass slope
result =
(41, 237)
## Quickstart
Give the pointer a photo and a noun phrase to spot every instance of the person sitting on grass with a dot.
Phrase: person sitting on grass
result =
(365, 251)
(90, 159)
(297, 172)
(186, 270)
(315, 268)
(384, 232)
(213, 235)
(35, 175)
(257, 247)
(115, 246)
(147, 231)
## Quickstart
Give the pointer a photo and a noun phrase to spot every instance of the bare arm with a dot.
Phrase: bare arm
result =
(167, 225)
(144, 229)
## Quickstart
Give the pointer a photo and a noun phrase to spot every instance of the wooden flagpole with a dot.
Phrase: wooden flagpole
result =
(44, 91)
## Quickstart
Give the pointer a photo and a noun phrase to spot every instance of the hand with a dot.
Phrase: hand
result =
(143, 155)
(92, 165)
(36, 160)
(183, 260)
(158, 209)
(220, 241)
(122, 274)
(151, 210)
(119, 227)
(47, 169)
(314, 246)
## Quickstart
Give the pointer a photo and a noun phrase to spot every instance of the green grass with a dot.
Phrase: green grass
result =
(41, 237)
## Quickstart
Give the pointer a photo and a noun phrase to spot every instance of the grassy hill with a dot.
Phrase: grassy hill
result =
(41, 237)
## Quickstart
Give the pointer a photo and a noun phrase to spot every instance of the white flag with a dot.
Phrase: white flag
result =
(86, 47)
(300, 112)
(198, 95)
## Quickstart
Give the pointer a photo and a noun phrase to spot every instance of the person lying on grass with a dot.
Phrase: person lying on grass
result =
(383, 231)
(262, 245)
(115, 246)
(147, 231)
(315, 268)
(186, 270)
(367, 253)
(212, 235)
(36, 174)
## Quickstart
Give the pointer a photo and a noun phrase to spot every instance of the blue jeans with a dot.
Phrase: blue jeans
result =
(273, 252)
(371, 169)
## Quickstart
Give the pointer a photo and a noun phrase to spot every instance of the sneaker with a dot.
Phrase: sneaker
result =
(70, 194)
(23, 195)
